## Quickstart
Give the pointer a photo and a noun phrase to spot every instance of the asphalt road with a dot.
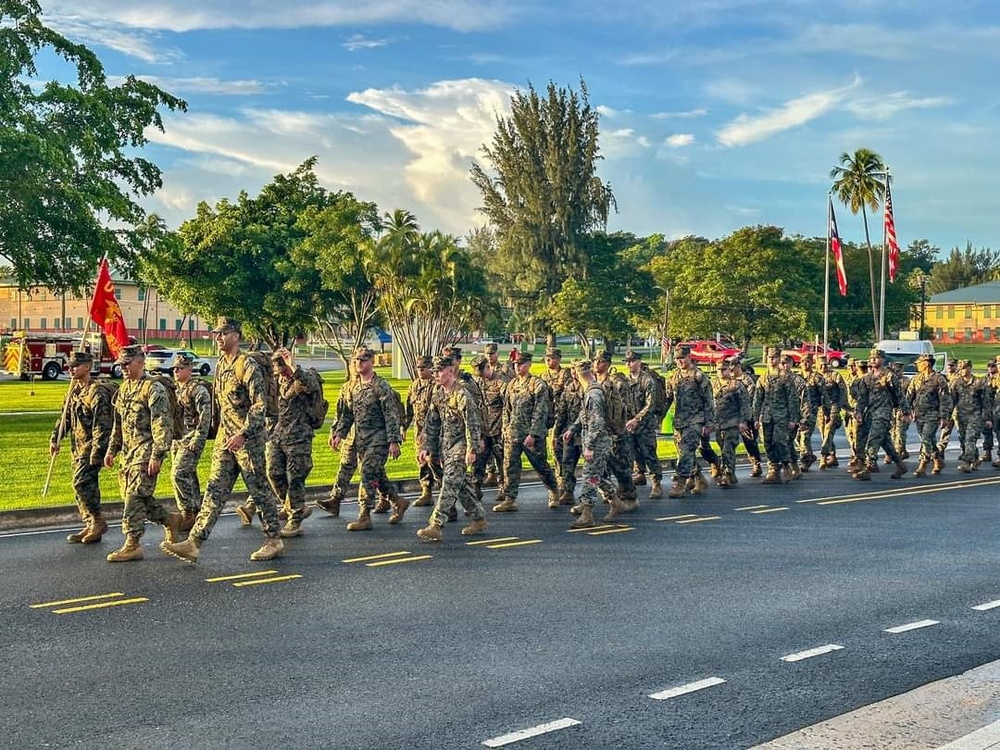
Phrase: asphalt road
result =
(474, 642)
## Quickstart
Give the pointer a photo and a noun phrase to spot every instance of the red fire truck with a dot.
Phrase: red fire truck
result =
(46, 355)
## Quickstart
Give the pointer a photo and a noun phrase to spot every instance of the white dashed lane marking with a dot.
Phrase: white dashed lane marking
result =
(818, 651)
(523, 734)
(912, 626)
(987, 605)
(691, 687)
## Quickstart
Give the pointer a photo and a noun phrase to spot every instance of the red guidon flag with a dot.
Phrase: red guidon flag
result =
(106, 312)
(890, 235)
(838, 253)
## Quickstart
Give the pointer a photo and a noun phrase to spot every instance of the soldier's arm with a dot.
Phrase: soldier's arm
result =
(390, 413)
(161, 420)
(104, 423)
(540, 413)
(408, 410)
(201, 399)
(708, 404)
(470, 416)
(430, 436)
(115, 443)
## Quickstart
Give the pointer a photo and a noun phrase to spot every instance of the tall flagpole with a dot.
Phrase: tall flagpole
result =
(826, 276)
(882, 275)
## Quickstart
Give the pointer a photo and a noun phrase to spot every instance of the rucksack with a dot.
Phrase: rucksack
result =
(177, 425)
(659, 392)
(549, 396)
(111, 387)
(320, 406)
(615, 415)
(270, 382)
(213, 428)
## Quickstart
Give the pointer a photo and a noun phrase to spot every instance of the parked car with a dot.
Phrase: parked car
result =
(162, 361)
(834, 357)
(707, 351)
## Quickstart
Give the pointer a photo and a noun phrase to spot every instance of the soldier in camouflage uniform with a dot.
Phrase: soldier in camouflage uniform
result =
(289, 451)
(590, 429)
(930, 403)
(238, 450)
(813, 388)
(996, 409)
(750, 436)
(524, 426)
(555, 376)
(452, 431)
(857, 432)
(89, 418)
(143, 429)
(992, 380)
(776, 409)
(620, 458)
(900, 420)
(787, 365)
(690, 393)
(732, 418)
(643, 426)
(194, 399)
(494, 468)
(567, 410)
(879, 393)
(973, 412)
(417, 402)
(493, 389)
(833, 398)
(951, 373)
(347, 462)
(371, 409)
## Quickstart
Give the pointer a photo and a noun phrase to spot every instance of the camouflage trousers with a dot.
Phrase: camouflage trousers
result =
(988, 440)
(828, 424)
(776, 442)
(969, 430)
(373, 477)
(347, 465)
(456, 487)
(86, 486)
(927, 430)
(184, 477)
(288, 467)
(138, 490)
(878, 426)
(728, 438)
(488, 459)
(751, 441)
(945, 438)
(595, 473)
(644, 449)
(620, 466)
(537, 457)
(803, 439)
(687, 440)
(567, 460)
(249, 464)
(898, 430)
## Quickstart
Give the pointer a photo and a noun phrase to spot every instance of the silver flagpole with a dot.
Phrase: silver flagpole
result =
(882, 276)
(826, 276)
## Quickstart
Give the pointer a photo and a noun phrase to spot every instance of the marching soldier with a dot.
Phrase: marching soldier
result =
(973, 412)
(195, 401)
(690, 393)
(776, 410)
(930, 404)
(879, 393)
(418, 401)
(732, 418)
(833, 398)
(643, 425)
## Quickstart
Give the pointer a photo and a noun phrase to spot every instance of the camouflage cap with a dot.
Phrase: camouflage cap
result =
(896, 366)
(479, 362)
(862, 364)
(455, 352)
(723, 364)
(128, 353)
(787, 359)
(952, 364)
(363, 353)
(602, 356)
(183, 360)
(424, 361)
(682, 351)
(80, 358)
(443, 362)
(582, 365)
(225, 325)
(491, 348)
(926, 358)
(965, 364)
(523, 358)
(876, 354)
(732, 361)
(631, 356)
(553, 352)
(773, 351)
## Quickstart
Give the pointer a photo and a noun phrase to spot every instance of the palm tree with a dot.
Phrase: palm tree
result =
(857, 183)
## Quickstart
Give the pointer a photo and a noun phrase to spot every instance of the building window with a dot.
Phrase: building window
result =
(141, 324)
(141, 294)
(986, 334)
(68, 323)
(118, 294)
(937, 334)
(951, 312)
(163, 324)
(13, 323)
(44, 323)
(79, 323)
(27, 324)
(951, 334)
(968, 334)
(968, 312)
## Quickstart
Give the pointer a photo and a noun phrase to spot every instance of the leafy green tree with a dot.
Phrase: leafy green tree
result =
(69, 168)
(543, 195)
(858, 184)
(964, 268)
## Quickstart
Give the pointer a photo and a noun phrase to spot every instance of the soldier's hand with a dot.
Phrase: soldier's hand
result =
(109, 459)
(53, 449)
(394, 450)
(153, 467)
(989, 423)
(236, 442)
(422, 457)
(470, 458)
(529, 442)
(632, 424)
(287, 357)
(334, 442)
(588, 454)
(567, 436)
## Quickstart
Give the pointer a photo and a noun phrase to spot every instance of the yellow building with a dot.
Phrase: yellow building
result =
(967, 315)
(147, 314)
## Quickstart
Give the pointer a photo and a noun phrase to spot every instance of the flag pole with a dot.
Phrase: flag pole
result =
(882, 275)
(826, 275)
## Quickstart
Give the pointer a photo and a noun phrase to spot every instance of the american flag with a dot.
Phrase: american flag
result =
(838, 253)
(890, 235)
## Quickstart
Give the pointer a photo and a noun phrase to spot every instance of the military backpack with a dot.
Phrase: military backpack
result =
(263, 363)
(319, 406)
(177, 422)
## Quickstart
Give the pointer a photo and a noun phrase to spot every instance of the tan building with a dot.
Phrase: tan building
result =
(967, 315)
(147, 315)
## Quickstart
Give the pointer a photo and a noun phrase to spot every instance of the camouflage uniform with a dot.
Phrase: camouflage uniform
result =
(620, 457)
(690, 393)
(992, 378)
(568, 408)
(751, 438)
(195, 401)
(89, 422)
(525, 414)
(857, 430)
(951, 373)
(289, 450)
(494, 392)
(879, 393)
(973, 408)
(417, 402)
(555, 377)
(732, 415)
(833, 398)
(900, 419)
(589, 428)
(805, 413)
(813, 397)
(643, 437)
(930, 401)
(143, 429)
(776, 406)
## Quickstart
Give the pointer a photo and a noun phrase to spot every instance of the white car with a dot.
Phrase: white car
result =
(162, 360)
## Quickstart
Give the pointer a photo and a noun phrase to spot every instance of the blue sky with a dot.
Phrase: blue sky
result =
(715, 113)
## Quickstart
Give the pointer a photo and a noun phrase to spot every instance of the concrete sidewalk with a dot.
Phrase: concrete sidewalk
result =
(957, 713)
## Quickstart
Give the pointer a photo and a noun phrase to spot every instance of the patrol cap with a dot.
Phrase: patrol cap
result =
(732, 361)
(224, 324)
(492, 348)
(682, 351)
(965, 363)
(129, 353)
(723, 364)
(363, 353)
(479, 362)
(183, 360)
(786, 359)
(553, 352)
(602, 356)
(926, 358)
(455, 352)
(424, 361)
(876, 354)
(952, 364)
(862, 364)
(523, 358)
(443, 362)
(631, 356)
(773, 351)
(80, 358)
(896, 366)
(582, 365)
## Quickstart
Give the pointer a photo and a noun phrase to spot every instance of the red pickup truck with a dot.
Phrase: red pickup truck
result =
(707, 351)
(835, 357)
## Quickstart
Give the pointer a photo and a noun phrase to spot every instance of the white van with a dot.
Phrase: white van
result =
(907, 352)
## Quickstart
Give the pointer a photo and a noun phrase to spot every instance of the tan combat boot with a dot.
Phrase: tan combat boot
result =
(700, 483)
(95, 529)
(772, 476)
(271, 548)
(426, 498)
(188, 517)
(615, 510)
(678, 488)
(382, 505)
(756, 470)
(399, 506)
(786, 472)
(77, 536)
(722, 480)
(128, 552)
(964, 468)
(172, 528)
(900, 470)
(731, 476)
(585, 520)
(796, 471)
(475, 526)
(186, 551)
(832, 461)
(656, 491)
(937, 465)
(363, 521)
(862, 475)
(576, 509)
(921, 470)
(292, 528)
(713, 470)
(553, 498)
(490, 480)
(245, 513)
(431, 533)
(331, 505)
(638, 479)
(566, 498)
(505, 506)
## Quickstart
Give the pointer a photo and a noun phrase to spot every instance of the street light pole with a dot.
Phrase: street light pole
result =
(923, 303)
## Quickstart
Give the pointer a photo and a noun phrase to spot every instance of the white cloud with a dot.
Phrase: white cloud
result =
(884, 107)
(686, 115)
(679, 140)
(182, 86)
(746, 129)
(99, 32)
(360, 41)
